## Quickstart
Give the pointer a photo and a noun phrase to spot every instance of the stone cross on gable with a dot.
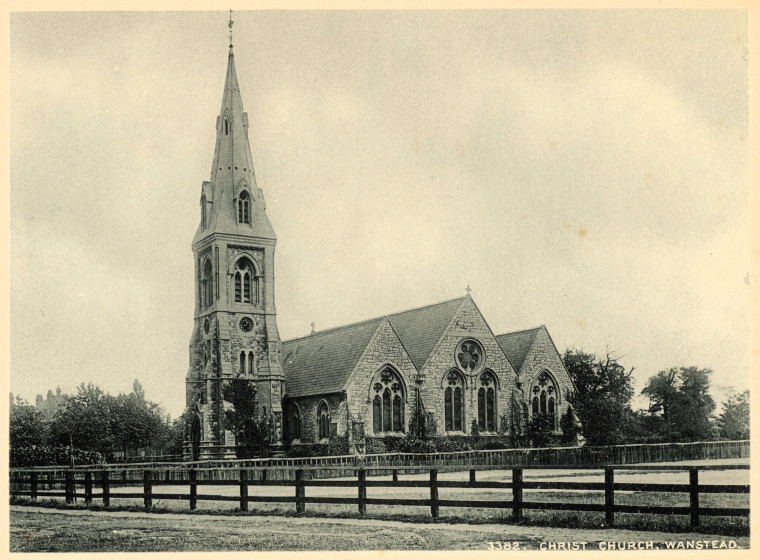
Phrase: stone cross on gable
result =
(468, 289)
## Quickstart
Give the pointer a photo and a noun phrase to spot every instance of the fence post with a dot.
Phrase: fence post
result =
(609, 496)
(434, 493)
(395, 475)
(243, 490)
(106, 489)
(147, 489)
(69, 486)
(472, 477)
(193, 488)
(517, 494)
(88, 488)
(694, 497)
(33, 487)
(300, 492)
(363, 491)
(264, 475)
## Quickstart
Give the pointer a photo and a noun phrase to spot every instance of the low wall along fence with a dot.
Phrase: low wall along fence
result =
(92, 485)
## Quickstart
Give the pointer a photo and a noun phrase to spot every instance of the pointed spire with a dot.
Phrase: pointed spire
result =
(232, 175)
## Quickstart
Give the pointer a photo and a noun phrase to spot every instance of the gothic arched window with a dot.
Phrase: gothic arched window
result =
(245, 281)
(226, 126)
(203, 211)
(207, 285)
(453, 402)
(244, 208)
(487, 402)
(388, 403)
(545, 396)
(323, 420)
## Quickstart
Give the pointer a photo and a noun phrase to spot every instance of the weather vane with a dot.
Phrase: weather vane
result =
(230, 26)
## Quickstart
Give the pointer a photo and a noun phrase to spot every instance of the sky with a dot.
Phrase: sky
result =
(584, 170)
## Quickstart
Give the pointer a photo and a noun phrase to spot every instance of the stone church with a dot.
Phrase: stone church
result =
(359, 381)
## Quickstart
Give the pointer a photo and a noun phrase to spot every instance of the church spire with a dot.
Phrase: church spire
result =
(232, 187)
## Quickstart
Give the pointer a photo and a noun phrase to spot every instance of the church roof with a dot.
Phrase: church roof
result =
(516, 345)
(322, 363)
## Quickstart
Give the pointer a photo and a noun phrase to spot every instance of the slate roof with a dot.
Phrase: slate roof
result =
(517, 344)
(321, 363)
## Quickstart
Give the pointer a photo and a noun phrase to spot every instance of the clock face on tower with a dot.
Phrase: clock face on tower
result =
(246, 324)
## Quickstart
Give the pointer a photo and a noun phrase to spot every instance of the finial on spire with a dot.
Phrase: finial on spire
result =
(312, 328)
(468, 289)
(230, 26)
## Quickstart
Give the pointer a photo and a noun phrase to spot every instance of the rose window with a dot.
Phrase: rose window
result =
(470, 355)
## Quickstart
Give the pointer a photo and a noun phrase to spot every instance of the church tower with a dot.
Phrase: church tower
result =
(235, 330)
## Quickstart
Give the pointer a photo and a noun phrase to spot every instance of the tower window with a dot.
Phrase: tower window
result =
(246, 283)
(203, 211)
(244, 208)
(206, 285)
(226, 126)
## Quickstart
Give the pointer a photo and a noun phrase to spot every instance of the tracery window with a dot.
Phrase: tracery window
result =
(246, 282)
(388, 403)
(487, 402)
(453, 402)
(244, 208)
(470, 356)
(323, 420)
(545, 396)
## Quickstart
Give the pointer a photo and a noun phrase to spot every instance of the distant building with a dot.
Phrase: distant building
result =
(51, 404)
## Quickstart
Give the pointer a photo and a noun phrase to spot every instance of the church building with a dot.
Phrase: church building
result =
(360, 381)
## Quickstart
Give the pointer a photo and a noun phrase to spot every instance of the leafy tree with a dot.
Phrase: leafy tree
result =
(680, 404)
(137, 423)
(602, 400)
(569, 427)
(27, 426)
(85, 423)
(251, 434)
(733, 422)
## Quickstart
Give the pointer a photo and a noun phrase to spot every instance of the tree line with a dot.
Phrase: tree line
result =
(680, 406)
(93, 427)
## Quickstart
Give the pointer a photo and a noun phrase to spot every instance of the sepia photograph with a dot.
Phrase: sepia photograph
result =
(379, 280)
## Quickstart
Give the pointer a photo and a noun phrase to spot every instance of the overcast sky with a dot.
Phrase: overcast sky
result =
(584, 170)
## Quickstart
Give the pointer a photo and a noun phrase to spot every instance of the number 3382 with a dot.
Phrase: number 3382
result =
(497, 545)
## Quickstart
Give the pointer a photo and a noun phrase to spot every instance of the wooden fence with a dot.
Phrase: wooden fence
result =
(75, 483)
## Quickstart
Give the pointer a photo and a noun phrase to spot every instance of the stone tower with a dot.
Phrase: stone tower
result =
(235, 330)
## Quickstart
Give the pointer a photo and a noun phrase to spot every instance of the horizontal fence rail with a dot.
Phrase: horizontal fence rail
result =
(73, 483)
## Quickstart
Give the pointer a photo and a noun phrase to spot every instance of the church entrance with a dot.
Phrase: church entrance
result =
(195, 440)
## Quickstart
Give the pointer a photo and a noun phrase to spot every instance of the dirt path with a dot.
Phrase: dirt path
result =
(43, 529)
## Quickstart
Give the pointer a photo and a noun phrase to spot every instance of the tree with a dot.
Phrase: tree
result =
(602, 399)
(137, 423)
(27, 426)
(681, 404)
(85, 423)
(541, 430)
(569, 427)
(251, 434)
(733, 422)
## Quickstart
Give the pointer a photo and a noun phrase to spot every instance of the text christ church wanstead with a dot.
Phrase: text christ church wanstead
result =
(363, 381)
